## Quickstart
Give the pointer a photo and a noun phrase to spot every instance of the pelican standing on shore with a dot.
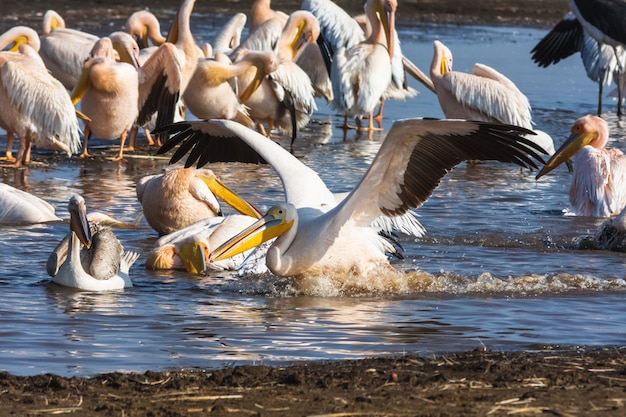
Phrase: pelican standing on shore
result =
(315, 232)
(91, 257)
(599, 180)
(34, 105)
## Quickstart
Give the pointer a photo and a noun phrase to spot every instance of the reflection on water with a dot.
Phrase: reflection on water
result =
(495, 268)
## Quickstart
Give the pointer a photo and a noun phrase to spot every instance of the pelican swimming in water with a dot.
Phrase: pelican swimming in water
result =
(91, 257)
(318, 233)
(34, 105)
(599, 184)
(485, 95)
(20, 207)
(183, 196)
(189, 248)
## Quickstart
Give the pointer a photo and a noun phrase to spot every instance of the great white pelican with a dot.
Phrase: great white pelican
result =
(599, 179)
(318, 233)
(145, 28)
(212, 91)
(485, 95)
(64, 50)
(90, 257)
(183, 196)
(189, 248)
(33, 104)
(117, 95)
(20, 207)
(286, 98)
(361, 74)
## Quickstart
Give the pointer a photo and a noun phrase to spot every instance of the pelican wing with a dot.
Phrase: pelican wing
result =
(564, 40)
(227, 141)
(489, 99)
(43, 99)
(160, 81)
(337, 27)
(417, 153)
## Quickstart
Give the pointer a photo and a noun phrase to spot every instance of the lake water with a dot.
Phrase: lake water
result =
(494, 270)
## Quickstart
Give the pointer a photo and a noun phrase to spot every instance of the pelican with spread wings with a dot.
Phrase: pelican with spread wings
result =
(317, 232)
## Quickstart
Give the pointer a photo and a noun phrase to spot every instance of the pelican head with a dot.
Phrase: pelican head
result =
(12, 39)
(307, 30)
(79, 224)
(265, 63)
(126, 47)
(444, 58)
(191, 256)
(278, 220)
(386, 12)
(588, 130)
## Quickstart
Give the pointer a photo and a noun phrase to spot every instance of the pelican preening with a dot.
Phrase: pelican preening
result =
(340, 30)
(315, 232)
(35, 105)
(599, 181)
(91, 257)
(568, 37)
(144, 27)
(286, 99)
(183, 196)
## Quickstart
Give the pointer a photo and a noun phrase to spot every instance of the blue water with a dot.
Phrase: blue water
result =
(494, 270)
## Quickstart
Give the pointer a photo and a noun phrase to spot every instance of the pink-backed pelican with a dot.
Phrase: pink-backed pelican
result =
(90, 257)
(317, 232)
(599, 183)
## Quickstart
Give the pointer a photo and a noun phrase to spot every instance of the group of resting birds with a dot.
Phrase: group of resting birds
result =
(321, 51)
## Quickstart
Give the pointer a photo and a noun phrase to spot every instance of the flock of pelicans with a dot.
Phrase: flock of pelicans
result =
(244, 90)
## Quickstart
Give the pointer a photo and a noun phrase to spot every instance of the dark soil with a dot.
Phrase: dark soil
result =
(575, 382)
(571, 383)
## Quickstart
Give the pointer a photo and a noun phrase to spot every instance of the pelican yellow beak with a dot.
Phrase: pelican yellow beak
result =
(387, 14)
(193, 255)
(573, 144)
(271, 225)
(79, 223)
(254, 84)
(126, 55)
(221, 191)
(17, 42)
(82, 86)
